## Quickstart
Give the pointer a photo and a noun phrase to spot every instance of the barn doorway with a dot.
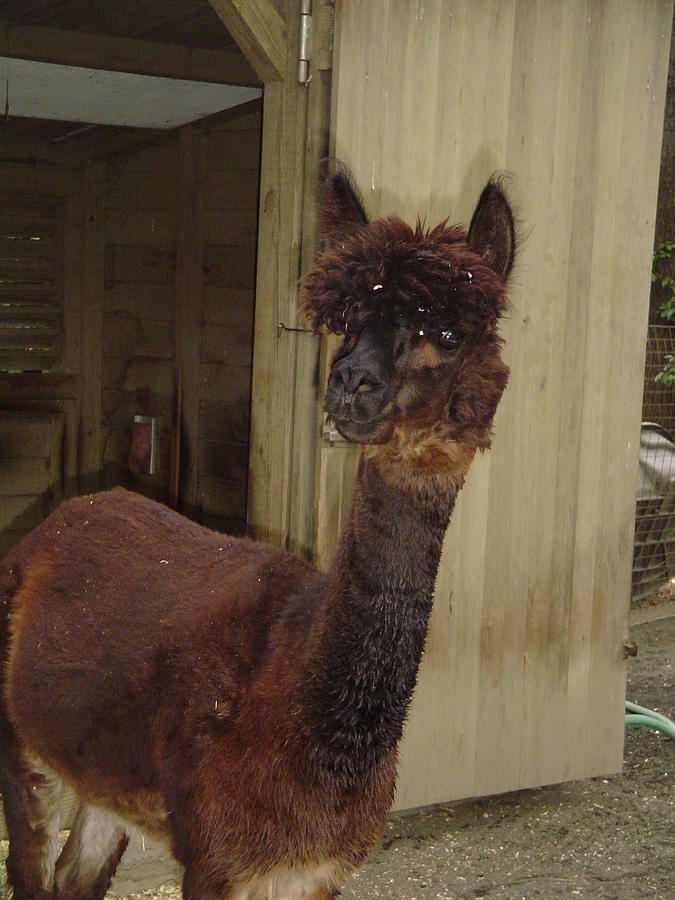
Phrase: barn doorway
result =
(128, 241)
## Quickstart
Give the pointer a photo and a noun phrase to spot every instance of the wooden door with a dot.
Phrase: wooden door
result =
(523, 678)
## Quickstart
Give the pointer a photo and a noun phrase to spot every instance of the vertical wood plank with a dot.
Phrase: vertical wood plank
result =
(91, 356)
(283, 415)
(72, 314)
(308, 395)
(189, 295)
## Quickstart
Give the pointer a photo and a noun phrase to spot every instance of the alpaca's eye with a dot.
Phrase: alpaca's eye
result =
(353, 317)
(448, 340)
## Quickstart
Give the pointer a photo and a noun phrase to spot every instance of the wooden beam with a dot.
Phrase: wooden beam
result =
(260, 32)
(284, 411)
(115, 54)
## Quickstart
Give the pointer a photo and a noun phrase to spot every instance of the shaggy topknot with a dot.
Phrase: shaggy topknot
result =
(429, 279)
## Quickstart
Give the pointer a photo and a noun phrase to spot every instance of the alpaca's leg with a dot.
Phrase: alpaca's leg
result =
(30, 796)
(88, 861)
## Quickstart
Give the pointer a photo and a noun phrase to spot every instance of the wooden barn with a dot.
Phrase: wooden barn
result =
(151, 239)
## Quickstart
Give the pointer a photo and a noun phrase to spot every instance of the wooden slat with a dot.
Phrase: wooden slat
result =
(46, 180)
(128, 337)
(147, 227)
(228, 345)
(15, 205)
(24, 335)
(153, 190)
(533, 590)
(228, 306)
(31, 274)
(26, 271)
(41, 293)
(14, 310)
(118, 54)
(147, 301)
(142, 264)
(31, 248)
(26, 225)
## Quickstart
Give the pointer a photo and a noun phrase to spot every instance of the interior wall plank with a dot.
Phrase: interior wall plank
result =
(523, 680)
(91, 342)
(189, 292)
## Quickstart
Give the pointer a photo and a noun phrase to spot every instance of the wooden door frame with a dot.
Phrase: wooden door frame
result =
(285, 361)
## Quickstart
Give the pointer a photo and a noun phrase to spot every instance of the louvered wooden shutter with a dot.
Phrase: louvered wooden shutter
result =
(31, 282)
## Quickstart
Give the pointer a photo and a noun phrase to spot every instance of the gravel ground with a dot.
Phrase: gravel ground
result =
(602, 837)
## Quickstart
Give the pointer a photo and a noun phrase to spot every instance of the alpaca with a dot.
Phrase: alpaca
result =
(223, 693)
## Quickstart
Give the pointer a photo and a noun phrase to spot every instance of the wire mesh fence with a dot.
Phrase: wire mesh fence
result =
(654, 549)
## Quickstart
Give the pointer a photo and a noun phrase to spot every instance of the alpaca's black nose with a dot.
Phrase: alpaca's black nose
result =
(351, 381)
(359, 379)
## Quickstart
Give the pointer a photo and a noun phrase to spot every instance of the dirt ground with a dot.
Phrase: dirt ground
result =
(603, 837)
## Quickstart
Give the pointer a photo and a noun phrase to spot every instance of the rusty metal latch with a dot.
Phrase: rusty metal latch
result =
(629, 649)
(333, 437)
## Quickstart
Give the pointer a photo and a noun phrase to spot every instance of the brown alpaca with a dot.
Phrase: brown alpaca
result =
(224, 693)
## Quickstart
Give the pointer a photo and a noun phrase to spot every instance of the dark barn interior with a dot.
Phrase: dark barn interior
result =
(127, 271)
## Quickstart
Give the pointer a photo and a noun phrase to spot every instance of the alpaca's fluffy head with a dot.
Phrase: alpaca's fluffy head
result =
(419, 310)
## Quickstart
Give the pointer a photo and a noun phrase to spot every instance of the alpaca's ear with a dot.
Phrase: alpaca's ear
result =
(492, 230)
(341, 211)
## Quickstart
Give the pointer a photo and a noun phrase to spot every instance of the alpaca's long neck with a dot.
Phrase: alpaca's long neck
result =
(378, 601)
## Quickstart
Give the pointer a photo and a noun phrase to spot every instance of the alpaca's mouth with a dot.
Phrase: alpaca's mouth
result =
(371, 431)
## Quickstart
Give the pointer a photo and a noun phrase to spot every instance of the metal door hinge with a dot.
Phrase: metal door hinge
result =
(305, 41)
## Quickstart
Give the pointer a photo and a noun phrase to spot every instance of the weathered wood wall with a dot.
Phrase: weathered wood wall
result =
(523, 679)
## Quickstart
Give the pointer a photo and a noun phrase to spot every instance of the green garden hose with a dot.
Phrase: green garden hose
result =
(638, 715)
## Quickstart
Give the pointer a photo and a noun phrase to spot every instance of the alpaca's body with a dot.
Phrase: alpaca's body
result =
(224, 693)
(180, 606)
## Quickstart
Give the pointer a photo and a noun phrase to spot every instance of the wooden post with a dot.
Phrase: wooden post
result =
(187, 340)
(283, 416)
(309, 388)
(91, 357)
